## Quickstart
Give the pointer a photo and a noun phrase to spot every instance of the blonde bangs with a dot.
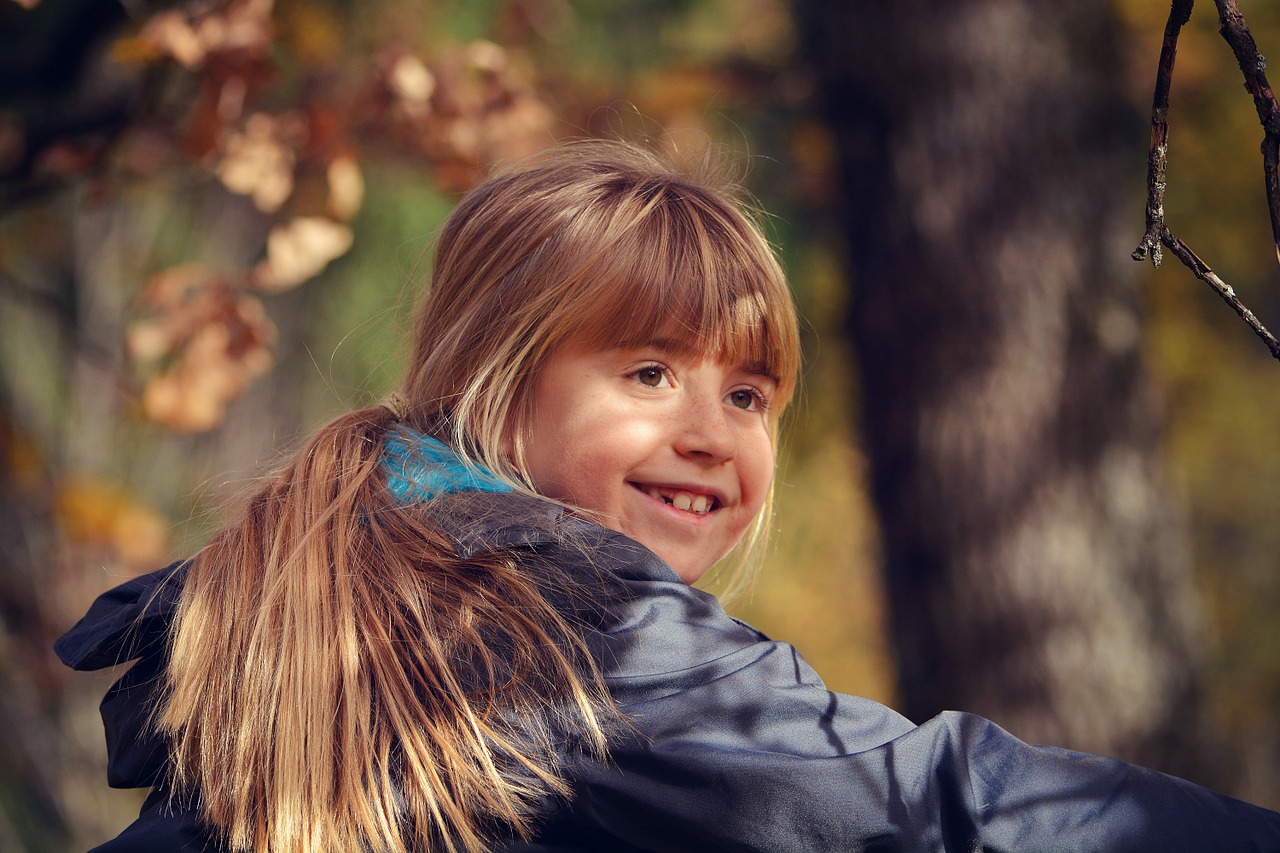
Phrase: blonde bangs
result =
(698, 276)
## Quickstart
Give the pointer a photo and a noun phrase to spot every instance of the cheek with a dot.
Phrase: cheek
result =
(579, 457)
(758, 473)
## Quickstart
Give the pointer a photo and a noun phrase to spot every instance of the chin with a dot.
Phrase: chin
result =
(689, 576)
(690, 570)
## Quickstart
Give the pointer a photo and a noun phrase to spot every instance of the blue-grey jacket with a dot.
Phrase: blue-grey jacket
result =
(736, 744)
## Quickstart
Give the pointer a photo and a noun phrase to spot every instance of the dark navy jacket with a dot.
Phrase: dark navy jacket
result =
(736, 744)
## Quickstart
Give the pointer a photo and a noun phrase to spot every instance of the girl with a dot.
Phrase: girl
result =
(461, 620)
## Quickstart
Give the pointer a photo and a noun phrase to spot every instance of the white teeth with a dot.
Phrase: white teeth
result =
(682, 500)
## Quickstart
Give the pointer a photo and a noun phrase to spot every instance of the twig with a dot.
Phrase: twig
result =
(1205, 273)
(1253, 66)
(1157, 157)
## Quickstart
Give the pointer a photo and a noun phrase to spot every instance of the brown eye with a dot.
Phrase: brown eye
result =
(745, 399)
(651, 376)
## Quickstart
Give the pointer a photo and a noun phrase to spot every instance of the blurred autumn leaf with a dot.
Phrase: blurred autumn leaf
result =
(102, 515)
(215, 97)
(201, 339)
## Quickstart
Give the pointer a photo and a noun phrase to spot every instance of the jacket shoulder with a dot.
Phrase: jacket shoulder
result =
(126, 622)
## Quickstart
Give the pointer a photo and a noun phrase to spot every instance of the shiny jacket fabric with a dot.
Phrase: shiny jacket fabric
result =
(736, 745)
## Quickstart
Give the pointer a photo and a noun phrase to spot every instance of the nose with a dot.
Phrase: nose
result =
(704, 431)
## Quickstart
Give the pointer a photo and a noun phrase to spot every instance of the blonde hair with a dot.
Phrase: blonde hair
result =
(340, 678)
(599, 244)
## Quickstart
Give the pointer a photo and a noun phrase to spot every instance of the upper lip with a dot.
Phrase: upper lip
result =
(692, 488)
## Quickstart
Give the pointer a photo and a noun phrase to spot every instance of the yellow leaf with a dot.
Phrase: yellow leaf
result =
(257, 163)
(346, 187)
(96, 513)
(139, 535)
(170, 34)
(299, 250)
(84, 508)
(146, 340)
(412, 83)
(314, 33)
(246, 27)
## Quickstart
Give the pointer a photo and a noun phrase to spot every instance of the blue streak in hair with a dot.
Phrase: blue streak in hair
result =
(419, 468)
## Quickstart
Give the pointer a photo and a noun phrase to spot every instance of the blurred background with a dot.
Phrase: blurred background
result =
(1027, 476)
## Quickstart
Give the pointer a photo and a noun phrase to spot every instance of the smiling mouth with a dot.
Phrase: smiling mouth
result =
(693, 502)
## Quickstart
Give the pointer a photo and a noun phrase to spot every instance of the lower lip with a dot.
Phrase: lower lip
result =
(680, 514)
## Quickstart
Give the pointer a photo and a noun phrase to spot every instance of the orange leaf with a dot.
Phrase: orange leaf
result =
(96, 513)
(203, 340)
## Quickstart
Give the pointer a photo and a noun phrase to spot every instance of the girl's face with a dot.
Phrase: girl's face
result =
(672, 450)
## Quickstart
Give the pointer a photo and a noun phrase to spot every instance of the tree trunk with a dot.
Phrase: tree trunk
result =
(1035, 566)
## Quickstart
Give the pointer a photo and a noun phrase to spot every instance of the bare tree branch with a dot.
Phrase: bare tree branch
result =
(1157, 157)
(1206, 274)
(1253, 67)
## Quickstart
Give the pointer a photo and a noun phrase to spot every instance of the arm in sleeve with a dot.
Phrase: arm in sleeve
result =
(737, 745)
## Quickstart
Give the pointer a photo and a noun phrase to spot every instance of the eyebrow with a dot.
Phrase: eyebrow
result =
(670, 345)
(759, 369)
(663, 344)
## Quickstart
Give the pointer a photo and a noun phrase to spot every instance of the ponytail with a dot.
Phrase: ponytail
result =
(342, 680)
